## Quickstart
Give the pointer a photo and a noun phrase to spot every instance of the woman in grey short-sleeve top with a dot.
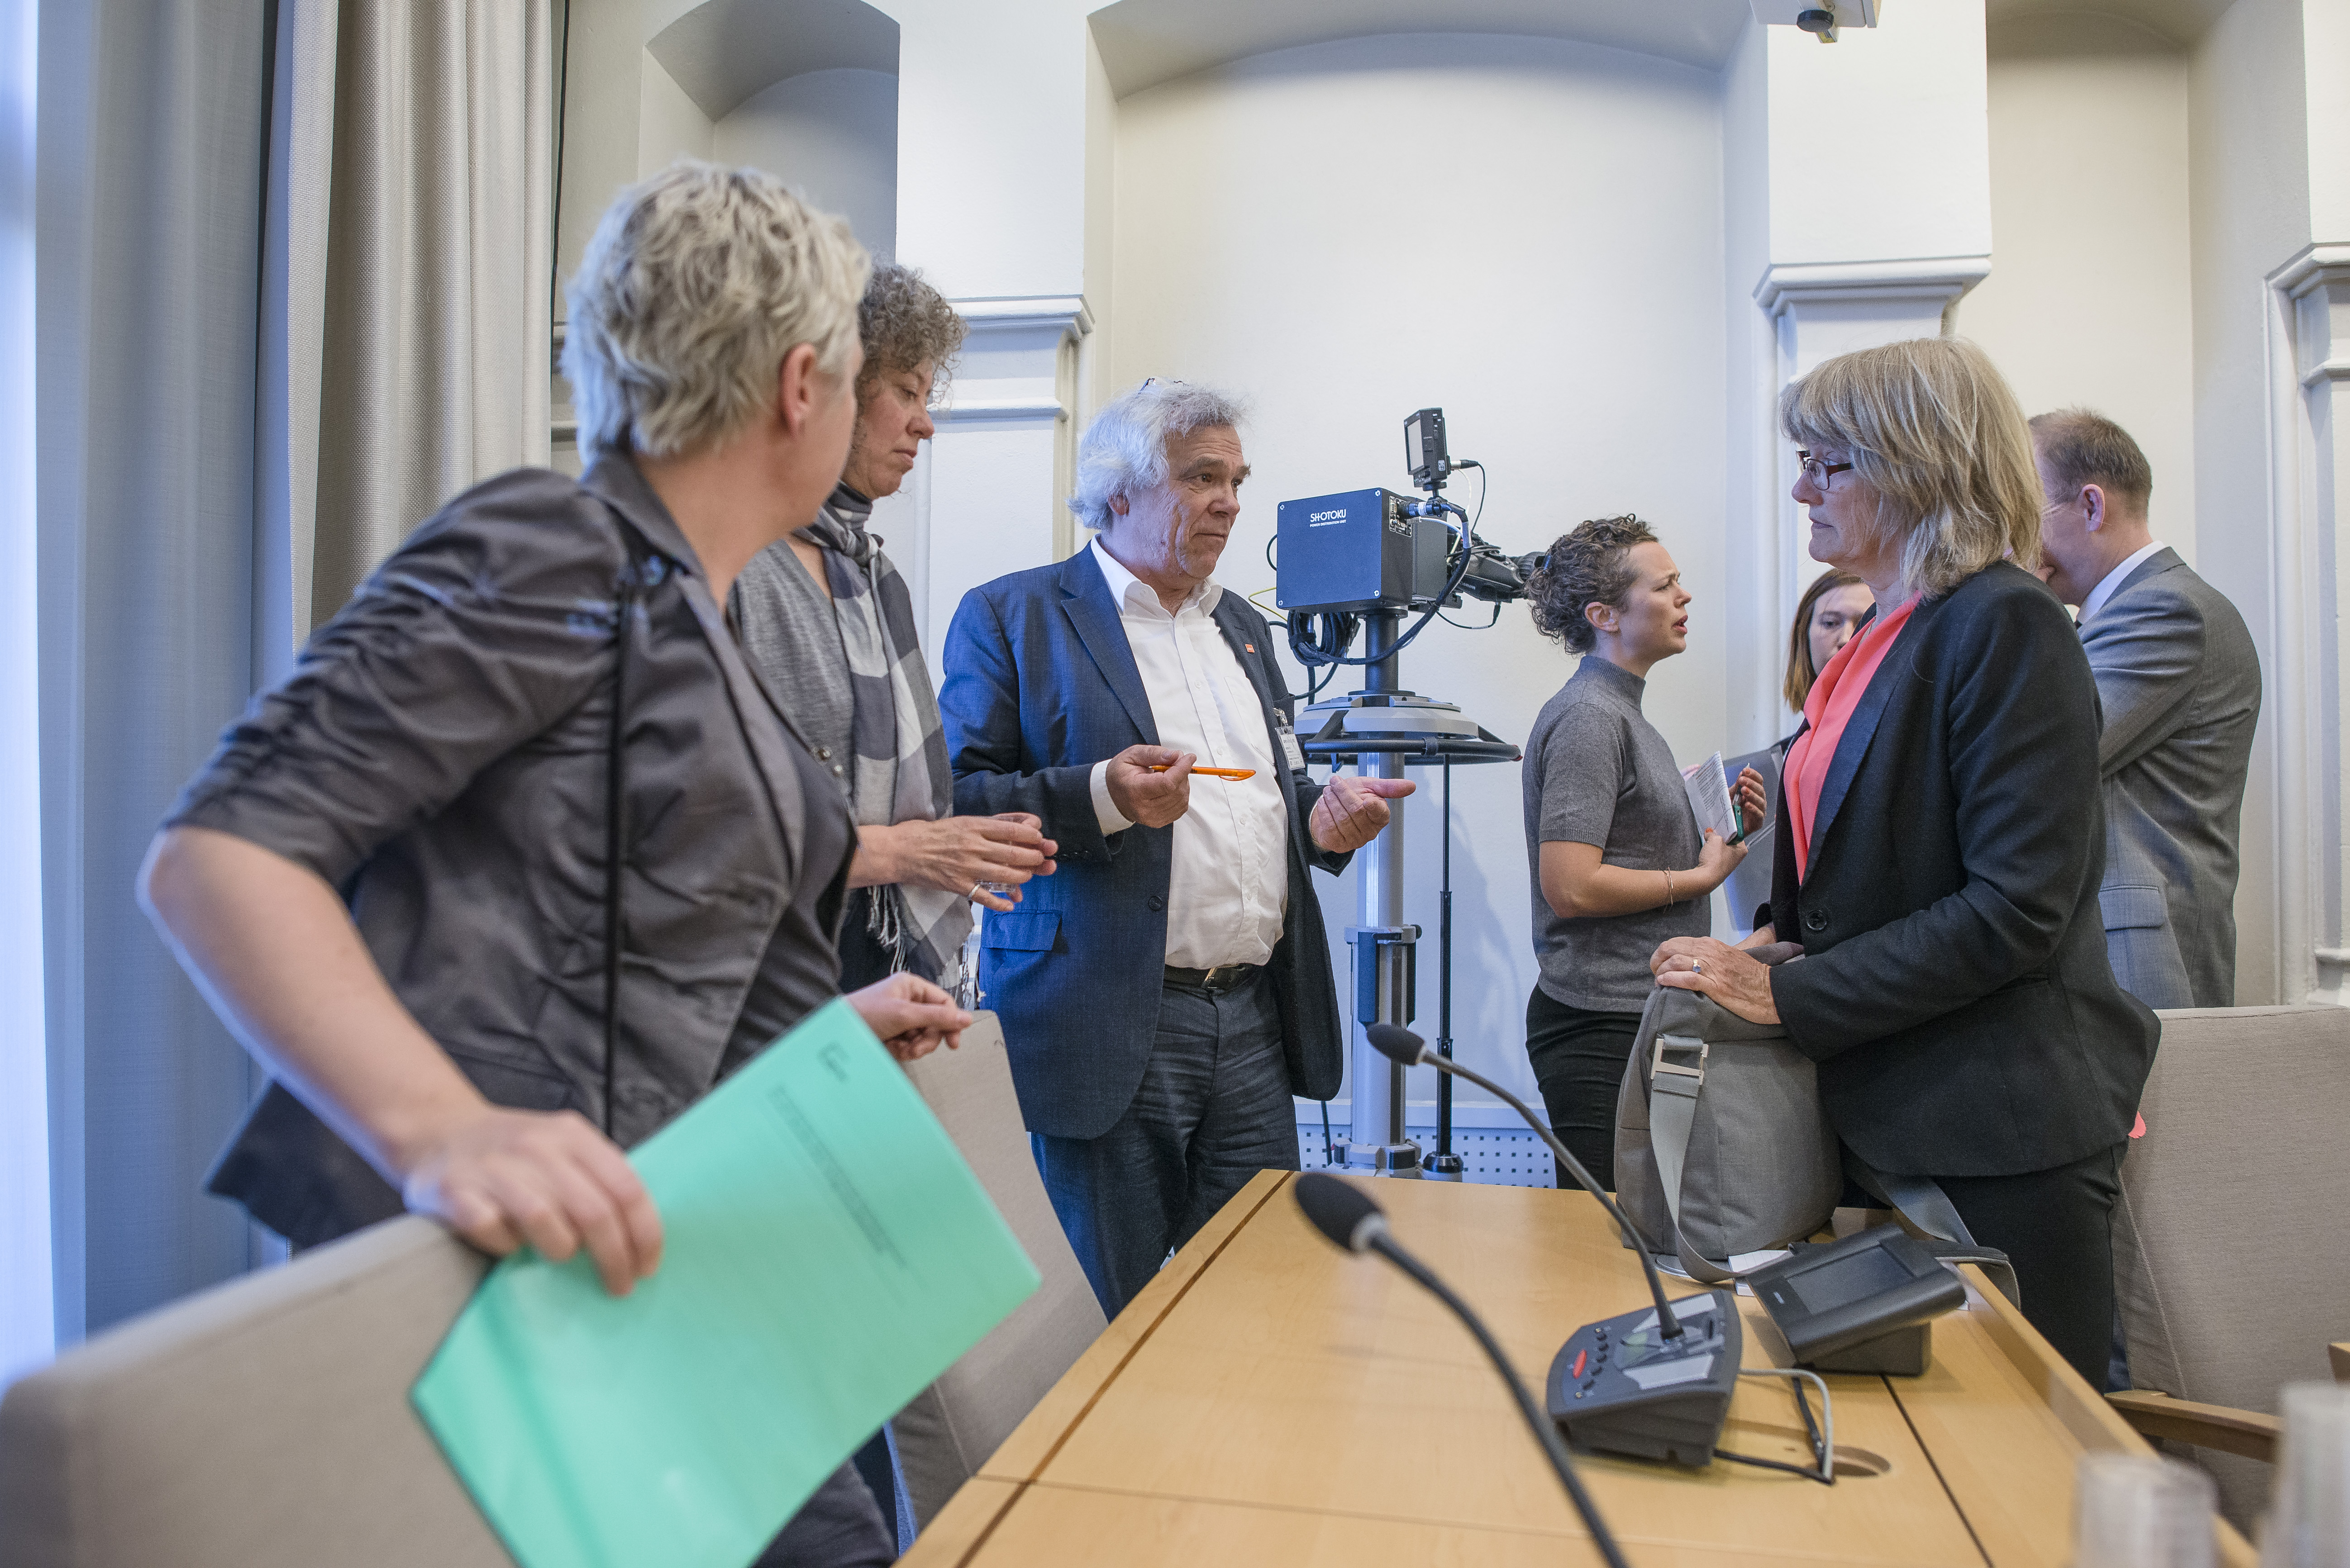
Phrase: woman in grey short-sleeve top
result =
(1618, 863)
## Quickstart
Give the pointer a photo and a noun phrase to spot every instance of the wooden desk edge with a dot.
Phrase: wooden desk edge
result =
(1023, 1455)
(2094, 1424)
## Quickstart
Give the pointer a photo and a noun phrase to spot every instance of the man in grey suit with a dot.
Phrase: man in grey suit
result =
(2180, 682)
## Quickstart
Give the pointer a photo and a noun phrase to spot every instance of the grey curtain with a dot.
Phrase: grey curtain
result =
(151, 133)
(291, 292)
(433, 310)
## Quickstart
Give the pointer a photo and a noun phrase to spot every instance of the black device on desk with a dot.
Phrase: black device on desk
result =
(1653, 1384)
(1861, 1305)
(1622, 1386)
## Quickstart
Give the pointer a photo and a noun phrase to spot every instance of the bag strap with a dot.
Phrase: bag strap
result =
(1920, 1201)
(1676, 1074)
(616, 809)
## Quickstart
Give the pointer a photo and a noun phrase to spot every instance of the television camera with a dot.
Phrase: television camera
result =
(1356, 564)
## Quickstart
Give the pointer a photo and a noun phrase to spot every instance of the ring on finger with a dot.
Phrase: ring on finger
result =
(973, 894)
(1697, 966)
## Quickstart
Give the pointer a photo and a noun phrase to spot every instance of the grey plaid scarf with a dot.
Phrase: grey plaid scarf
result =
(899, 771)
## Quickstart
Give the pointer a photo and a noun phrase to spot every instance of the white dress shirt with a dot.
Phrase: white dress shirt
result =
(1229, 885)
(2112, 581)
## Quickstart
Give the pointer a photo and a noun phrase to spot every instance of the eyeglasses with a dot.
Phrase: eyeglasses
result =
(1817, 471)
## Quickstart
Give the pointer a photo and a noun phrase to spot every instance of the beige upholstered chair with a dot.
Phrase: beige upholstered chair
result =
(956, 1424)
(2229, 1251)
(265, 1423)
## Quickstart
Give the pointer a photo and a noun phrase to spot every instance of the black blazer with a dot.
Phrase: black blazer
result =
(1954, 990)
(1040, 685)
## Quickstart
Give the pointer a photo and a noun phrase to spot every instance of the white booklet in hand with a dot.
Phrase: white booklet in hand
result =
(1709, 794)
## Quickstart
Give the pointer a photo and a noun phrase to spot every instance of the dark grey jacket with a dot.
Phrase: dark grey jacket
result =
(440, 754)
(1954, 990)
(2180, 683)
(1041, 685)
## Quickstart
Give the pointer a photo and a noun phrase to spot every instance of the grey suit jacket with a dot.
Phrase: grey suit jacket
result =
(2179, 682)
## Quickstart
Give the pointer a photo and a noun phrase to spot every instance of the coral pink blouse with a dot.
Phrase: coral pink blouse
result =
(1826, 710)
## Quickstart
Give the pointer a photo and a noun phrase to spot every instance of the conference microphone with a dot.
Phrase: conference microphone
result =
(1353, 1219)
(1398, 1043)
(1656, 1386)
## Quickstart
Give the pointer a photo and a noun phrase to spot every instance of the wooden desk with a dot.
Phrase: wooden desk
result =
(1269, 1399)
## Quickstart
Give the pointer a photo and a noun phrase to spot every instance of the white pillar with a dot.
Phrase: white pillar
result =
(1873, 159)
(992, 205)
(999, 469)
(2309, 694)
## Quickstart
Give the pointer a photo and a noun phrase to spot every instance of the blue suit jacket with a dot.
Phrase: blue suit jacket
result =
(1040, 686)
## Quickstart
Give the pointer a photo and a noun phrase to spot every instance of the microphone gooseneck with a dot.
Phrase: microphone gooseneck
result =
(1399, 1044)
(1350, 1218)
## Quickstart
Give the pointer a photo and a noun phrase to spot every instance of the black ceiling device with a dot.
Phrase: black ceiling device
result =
(1860, 1305)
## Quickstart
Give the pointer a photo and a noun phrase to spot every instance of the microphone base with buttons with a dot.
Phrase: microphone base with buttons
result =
(1620, 1386)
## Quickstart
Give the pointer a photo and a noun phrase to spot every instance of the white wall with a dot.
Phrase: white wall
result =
(2249, 168)
(2091, 301)
(669, 124)
(1525, 231)
(834, 135)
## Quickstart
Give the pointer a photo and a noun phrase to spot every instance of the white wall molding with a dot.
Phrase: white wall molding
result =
(1067, 312)
(1785, 285)
(961, 410)
(2308, 666)
(999, 468)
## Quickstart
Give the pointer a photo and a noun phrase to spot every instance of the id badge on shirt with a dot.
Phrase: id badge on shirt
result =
(1291, 751)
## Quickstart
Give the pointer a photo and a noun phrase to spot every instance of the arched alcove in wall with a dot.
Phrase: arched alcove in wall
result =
(806, 89)
(1525, 228)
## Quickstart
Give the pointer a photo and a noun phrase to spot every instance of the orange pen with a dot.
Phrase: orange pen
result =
(1235, 774)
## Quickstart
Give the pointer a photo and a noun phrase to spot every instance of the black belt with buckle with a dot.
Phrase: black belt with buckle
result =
(1223, 977)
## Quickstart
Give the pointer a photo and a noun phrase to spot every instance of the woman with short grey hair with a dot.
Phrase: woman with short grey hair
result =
(828, 623)
(520, 862)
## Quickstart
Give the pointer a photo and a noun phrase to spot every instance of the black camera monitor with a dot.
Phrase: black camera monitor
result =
(1424, 452)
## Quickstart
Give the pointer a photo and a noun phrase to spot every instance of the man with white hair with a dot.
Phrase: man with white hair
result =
(1167, 993)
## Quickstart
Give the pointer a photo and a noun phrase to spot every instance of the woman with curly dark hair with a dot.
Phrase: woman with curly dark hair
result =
(1619, 862)
(828, 623)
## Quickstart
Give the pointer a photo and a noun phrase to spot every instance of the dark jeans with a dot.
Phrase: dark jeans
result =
(2057, 1227)
(1578, 1058)
(837, 1528)
(1213, 1109)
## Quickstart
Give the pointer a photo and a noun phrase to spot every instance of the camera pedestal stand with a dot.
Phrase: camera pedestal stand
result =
(1384, 728)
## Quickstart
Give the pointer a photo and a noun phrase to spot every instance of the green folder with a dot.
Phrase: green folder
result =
(829, 1254)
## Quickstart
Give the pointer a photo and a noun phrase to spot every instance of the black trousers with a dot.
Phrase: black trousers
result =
(864, 960)
(2057, 1228)
(1578, 1058)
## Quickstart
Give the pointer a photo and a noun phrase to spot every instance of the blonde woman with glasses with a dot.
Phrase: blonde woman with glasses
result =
(1941, 839)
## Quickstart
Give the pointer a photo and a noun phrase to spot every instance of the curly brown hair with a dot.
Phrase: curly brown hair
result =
(1589, 565)
(906, 323)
